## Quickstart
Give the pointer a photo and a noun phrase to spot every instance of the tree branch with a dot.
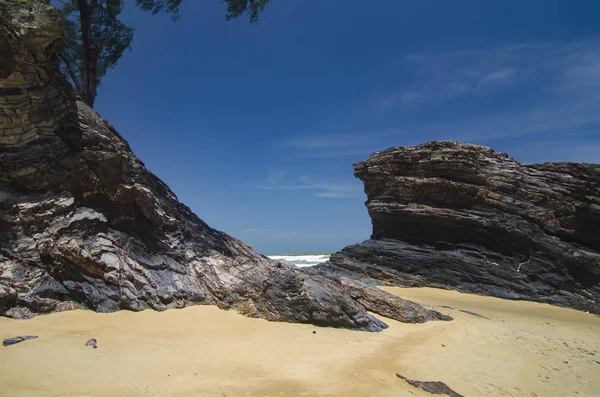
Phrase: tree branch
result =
(69, 64)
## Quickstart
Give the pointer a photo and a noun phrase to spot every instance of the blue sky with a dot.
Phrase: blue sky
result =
(256, 127)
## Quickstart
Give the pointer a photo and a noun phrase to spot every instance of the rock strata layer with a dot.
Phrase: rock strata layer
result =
(454, 215)
(83, 224)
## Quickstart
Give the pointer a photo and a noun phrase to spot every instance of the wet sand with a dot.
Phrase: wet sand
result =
(523, 349)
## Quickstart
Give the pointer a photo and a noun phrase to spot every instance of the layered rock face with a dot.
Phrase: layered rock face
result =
(464, 216)
(83, 224)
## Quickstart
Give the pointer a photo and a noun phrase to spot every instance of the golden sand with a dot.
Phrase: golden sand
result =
(523, 349)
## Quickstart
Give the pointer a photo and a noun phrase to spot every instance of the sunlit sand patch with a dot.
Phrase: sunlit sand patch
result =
(521, 349)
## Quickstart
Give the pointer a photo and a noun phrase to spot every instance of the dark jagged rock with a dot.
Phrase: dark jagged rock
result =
(17, 339)
(387, 305)
(83, 224)
(453, 215)
(433, 387)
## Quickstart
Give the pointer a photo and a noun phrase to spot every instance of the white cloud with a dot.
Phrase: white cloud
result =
(583, 73)
(344, 141)
(504, 76)
(547, 93)
(440, 77)
(536, 120)
(266, 235)
(320, 188)
(337, 194)
(560, 150)
(275, 176)
(561, 83)
(357, 152)
(323, 141)
(340, 145)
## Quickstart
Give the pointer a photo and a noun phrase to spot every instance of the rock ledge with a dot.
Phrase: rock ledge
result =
(460, 216)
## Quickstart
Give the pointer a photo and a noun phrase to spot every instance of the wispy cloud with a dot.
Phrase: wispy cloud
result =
(325, 141)
(445, 76)
(537, 120)
(560, 150)
(274, 234)
(504, 76)
(328, 145)
(319, 188)
(358, 153)
(275, 176)
(261, 235)
(509, 95)
(582, 75)
(533, 94)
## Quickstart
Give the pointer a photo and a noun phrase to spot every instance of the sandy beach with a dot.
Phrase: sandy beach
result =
(520, 349)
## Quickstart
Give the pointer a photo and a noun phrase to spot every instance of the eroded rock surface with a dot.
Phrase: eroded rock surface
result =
(83, 224)
(453, 215)
(17, 339)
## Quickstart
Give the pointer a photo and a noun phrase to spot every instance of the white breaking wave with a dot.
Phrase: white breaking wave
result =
(301, 260)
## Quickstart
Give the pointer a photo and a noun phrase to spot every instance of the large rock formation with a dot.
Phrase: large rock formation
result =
(463, 216)
(83, 224)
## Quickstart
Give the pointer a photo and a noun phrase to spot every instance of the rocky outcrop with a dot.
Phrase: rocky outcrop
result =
(17, 339)
(461, 216)
(83, 224)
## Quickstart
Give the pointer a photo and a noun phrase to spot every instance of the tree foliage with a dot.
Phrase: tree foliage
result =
(156, 6)
(96, 38)
(235, 8)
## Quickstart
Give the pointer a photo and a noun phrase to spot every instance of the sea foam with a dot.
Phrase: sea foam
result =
(302, 260)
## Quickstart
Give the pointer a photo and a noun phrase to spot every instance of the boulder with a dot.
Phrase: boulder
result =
(461, 216)
(83, 223)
